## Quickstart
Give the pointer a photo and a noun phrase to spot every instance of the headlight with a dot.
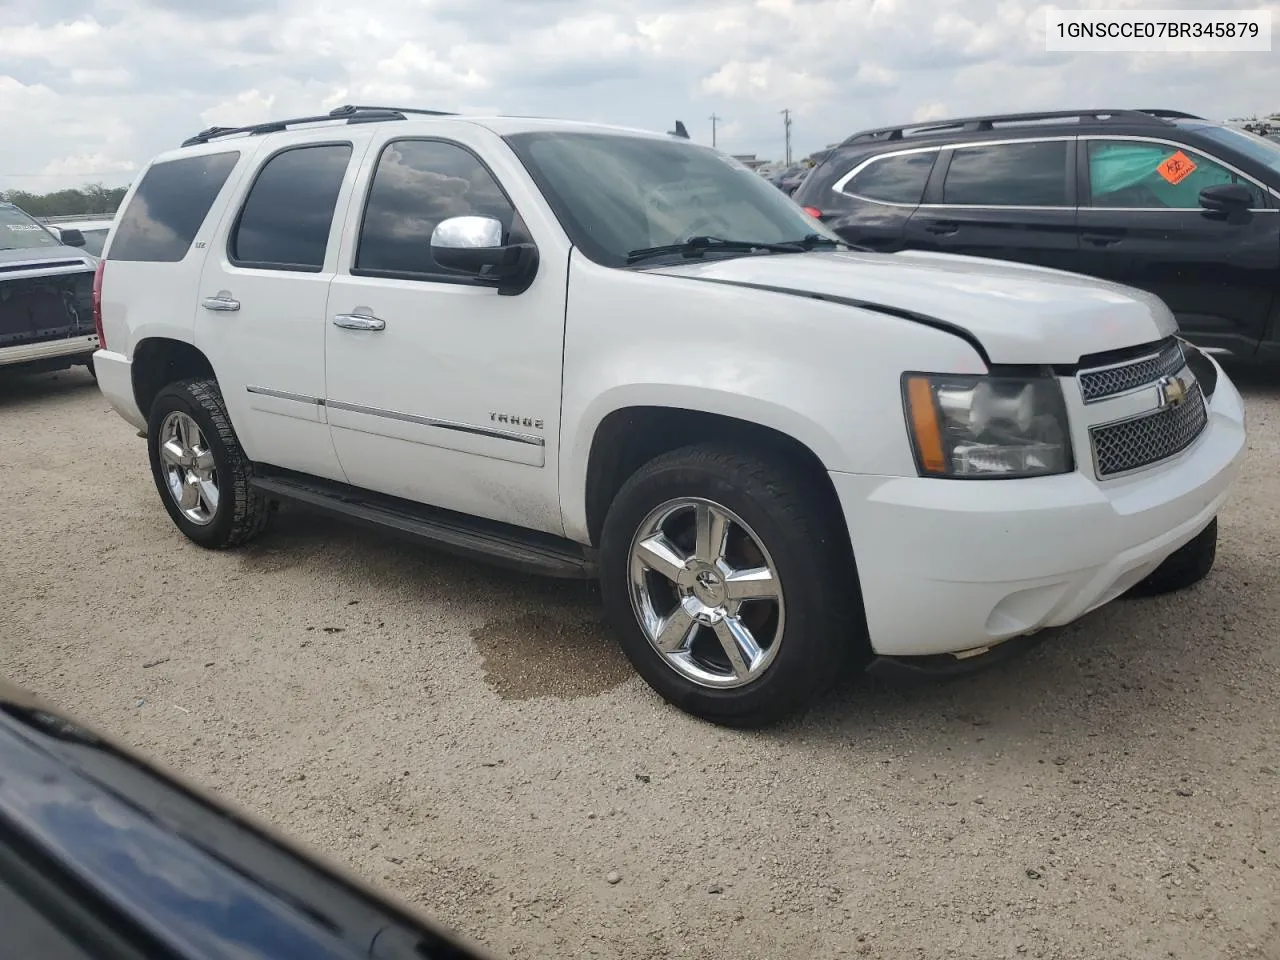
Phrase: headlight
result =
(986, 427)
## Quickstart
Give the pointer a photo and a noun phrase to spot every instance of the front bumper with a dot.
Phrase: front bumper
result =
(953, 566)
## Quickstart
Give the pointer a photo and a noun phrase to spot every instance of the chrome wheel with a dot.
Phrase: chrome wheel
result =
(188, 467)
(706, 593)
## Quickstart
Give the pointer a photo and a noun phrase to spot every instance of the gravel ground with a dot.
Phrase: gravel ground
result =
(472, 740)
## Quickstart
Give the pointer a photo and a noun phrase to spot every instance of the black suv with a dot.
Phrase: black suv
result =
(1165, 201)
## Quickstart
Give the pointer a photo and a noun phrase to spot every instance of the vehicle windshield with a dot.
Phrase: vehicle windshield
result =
(95, 239)
(615, 194)
(1256, 148)
(19, 232)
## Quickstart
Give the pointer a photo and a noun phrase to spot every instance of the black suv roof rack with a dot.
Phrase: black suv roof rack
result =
(978, 124)
(350, 113)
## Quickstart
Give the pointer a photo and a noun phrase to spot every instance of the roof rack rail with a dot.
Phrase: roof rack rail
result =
(983, 123)
(1171, 114)
(349, 113)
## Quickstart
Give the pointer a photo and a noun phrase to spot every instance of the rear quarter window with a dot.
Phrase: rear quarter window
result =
(894, 179)
(169, 206)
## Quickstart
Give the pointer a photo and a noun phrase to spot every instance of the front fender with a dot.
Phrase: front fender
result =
(825, 374)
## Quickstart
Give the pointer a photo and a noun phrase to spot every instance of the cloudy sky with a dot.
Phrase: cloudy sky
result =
(90, 89)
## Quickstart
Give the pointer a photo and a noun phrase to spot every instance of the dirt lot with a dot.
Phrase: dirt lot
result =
(472, 740)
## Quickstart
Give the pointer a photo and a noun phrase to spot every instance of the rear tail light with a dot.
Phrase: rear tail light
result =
(813, 212)
(97, 303)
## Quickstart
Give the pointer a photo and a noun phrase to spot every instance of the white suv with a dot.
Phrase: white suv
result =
(598, 352)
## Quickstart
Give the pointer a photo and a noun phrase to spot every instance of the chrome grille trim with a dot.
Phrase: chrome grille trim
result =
(1123, 446)
(1100, 383)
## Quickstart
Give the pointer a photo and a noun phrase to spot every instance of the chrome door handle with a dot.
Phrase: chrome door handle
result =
(355, 321)
(221, 304)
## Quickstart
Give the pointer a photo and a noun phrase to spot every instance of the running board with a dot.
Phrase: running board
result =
(500, 543)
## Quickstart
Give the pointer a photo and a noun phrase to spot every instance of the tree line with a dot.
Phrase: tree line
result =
(88, 200)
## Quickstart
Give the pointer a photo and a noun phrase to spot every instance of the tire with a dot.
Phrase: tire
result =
(780, 520)
(229, 514)
(1187, 565)
(93, 372)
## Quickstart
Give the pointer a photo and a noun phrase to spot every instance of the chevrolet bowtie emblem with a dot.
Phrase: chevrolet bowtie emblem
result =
(1172, 391)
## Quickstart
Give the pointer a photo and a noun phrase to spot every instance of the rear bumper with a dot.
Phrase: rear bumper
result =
(115, 380)
(48, 350)
(952, 566)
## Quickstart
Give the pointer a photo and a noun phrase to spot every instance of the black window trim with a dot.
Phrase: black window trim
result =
(235, 226)
(1269, 196)
(415, 276)
(846, 179)
(943, 167)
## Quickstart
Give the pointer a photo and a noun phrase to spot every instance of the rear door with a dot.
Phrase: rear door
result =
(1009, 200)
(261, 317)
(1141, 223)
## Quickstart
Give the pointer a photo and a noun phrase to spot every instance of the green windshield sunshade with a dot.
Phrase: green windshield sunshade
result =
(1117, 166)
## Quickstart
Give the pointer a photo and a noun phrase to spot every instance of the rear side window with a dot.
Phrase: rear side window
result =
(286, 218)
(899, 179)
(1008, 175)
(169, 206)
(417, 184)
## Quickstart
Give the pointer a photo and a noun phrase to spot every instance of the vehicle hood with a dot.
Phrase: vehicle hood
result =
(65, 257)
(1020, 314)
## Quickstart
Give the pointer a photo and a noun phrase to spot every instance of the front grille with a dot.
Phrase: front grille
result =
(1106, 382)
(1141, 441)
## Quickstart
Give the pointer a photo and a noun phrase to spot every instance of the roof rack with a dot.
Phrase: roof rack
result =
(350, 113)
(1171, 114)
(977, 124)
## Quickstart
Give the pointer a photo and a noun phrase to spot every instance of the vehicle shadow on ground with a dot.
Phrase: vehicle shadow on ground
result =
(1129, 669)
(25, 389)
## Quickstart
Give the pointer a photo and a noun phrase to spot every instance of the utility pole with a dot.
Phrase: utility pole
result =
(714, 120)
(786, 126)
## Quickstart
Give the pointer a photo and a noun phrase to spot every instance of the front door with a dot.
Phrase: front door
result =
(1141, 223)
(260, 317)
(440, 390)
(1008, 201)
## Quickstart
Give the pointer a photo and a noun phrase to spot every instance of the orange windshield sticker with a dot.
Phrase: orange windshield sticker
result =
(1176, 168)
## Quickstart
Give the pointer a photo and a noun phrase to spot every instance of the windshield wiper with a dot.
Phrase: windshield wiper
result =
(697, 246)
(814, 240)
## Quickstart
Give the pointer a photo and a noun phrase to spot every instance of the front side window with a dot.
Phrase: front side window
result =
(19, 232)
(288, 214)
(1008, 175)
(899, 179)
(616, 193)
(1130, 173)
(169, 206)
(417, 184)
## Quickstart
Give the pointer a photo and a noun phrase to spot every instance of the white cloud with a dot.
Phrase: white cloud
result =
(104, 83)
(88, 165)
(246, 107)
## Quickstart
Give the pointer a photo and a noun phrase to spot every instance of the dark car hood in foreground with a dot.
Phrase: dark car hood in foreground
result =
(176, 872)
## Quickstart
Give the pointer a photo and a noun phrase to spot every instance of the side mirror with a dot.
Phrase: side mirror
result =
(1227, 199)
(71, 238)
(473, 245)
